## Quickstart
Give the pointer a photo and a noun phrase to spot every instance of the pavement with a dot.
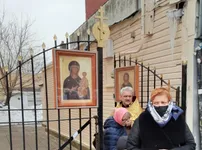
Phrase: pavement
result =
(30, 142)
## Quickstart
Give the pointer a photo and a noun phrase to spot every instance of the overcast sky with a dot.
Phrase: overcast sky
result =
(50, 16)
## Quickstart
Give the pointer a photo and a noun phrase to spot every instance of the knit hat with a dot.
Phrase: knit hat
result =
(119, 113)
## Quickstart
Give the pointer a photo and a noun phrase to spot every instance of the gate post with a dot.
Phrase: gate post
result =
(100, 96)
(101, 33)
(184, 87)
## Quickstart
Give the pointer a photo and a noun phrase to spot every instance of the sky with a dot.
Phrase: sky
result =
(49, 16)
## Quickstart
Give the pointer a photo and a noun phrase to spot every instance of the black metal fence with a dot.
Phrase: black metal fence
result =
(47, 119)
(149, 79)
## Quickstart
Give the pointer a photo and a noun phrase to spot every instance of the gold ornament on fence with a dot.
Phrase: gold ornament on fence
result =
(55, 37)
(43, 46)
(6, 68)
(66, 35)
(101, 30)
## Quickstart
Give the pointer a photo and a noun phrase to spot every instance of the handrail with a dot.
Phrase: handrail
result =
(75, 135)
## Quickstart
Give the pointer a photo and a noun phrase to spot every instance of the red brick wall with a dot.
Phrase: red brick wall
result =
(92, 6)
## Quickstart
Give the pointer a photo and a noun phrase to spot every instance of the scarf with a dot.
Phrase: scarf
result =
(172, 111)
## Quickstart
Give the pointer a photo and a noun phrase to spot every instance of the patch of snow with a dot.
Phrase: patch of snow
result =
(16, 115)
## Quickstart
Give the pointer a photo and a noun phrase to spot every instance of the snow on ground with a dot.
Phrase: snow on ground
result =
(16, 115)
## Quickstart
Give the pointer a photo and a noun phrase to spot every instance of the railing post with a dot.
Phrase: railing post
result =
(115, 103)
(124, 60)
(9, 111)
(34, 96)
(114, 61)
(184, 86)
(148, 82)
(46, 94)
(154, 78)
(130, 60)
(100, 95)
(119, 60)
(88, 32)
(22, 101)
(101, 34)
(70, 128)
(142, 84)
(161, 80)
(135, 60)
(90, 131)
(67, 41)
(78, 40)
(55, 40)
(80, 136)
(178, 96)
(96, 139)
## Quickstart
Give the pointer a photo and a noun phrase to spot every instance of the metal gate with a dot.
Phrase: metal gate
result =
(90, 122)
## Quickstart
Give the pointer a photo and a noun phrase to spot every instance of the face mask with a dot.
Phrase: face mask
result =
(161, 110)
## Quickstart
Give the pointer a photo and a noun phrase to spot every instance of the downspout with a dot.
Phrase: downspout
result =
(196, 84)
(138, 4)
(196, 118)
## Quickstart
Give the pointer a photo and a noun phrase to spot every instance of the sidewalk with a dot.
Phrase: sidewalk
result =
(30, 144)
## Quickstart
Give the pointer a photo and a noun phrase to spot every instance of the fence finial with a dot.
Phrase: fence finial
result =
(55, 37)
(184, 62)
(19, 58)
(43, 45)
(78, 33)
(88, 31)
(66, 35)
(31, 51)
(6, 68)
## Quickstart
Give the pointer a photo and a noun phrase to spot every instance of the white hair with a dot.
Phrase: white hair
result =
(127, 88)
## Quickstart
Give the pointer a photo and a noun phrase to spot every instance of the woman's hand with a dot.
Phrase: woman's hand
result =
(128, 123)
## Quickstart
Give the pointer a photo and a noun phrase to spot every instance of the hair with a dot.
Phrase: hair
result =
(160, 91)
(127, 88)
(84, 73)
(126, 74)
(127, 113)
(75, 63)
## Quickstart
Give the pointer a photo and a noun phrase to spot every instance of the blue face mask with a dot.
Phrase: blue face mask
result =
(161, 110)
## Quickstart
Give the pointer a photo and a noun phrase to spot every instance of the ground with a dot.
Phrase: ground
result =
(30, 138)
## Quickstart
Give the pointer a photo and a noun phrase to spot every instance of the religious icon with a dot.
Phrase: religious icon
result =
(126, 80)
(74, 87)
(75, 74)
(126, 76)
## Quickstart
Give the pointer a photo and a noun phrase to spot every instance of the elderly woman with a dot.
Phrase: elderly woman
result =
(161, 126)
(114, 128)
